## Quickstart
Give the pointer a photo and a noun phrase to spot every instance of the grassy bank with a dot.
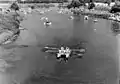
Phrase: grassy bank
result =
(9, 27)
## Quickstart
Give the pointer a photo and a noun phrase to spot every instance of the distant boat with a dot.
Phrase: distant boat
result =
(86, 17)
(71, 17)
(47, 23)
(44, 18)
(95, 20)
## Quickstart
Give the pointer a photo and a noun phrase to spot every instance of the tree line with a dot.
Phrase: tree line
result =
(42, 1)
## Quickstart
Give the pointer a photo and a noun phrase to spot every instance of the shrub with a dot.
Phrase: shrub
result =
(14, 6)
(102, 8)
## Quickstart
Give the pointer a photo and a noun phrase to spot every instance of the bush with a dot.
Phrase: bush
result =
(14, 6)
(74, 4)
(94, 13)
(10, 22)
(101, 8)
(115, 9)
(91, 6)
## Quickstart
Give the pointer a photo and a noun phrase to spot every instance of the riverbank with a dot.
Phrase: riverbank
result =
(9, 27)
(97, 14)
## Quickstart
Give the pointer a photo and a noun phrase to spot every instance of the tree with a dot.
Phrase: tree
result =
(91, 5)
(75, 3)
(14, 6)
(112, 0)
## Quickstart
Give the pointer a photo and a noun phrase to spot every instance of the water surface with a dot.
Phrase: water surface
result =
(99, 65)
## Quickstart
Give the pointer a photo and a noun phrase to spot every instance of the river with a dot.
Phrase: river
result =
(100, 64)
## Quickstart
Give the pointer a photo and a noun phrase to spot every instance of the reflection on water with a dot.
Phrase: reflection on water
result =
(99, 64)
(115, 28)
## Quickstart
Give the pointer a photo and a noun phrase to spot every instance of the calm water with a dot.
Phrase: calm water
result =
(99, 65)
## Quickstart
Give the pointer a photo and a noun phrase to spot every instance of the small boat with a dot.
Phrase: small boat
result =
(21, 28)
(71, 17)
(95, 20)
(112, 18)
(47, 23)
(41, 12)
(25, 13)
(44, 18)
(86, 17)
(61, 12)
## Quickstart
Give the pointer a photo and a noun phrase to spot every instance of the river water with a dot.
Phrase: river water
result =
(100, 64)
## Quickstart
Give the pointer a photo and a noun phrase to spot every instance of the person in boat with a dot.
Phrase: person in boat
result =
(61, 52)
(47, 22)
(67, 53)
(64, 54)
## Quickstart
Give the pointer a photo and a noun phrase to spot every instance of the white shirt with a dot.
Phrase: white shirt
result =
(67, 51)
(62, 51)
